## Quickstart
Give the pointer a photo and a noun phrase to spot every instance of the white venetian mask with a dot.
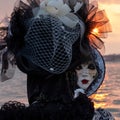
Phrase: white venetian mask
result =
(86, 73)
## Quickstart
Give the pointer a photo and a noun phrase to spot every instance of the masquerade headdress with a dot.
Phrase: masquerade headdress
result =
(44, 32)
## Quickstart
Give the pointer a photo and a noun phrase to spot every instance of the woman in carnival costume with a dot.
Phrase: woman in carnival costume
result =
(55, 43)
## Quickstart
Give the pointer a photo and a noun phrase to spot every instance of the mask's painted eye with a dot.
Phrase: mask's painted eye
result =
(79, 67)
(91, 66)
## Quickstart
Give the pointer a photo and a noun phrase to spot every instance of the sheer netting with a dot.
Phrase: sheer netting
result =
(48, 43)
(98, 25)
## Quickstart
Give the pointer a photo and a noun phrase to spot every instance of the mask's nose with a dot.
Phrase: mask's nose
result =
(85, 72)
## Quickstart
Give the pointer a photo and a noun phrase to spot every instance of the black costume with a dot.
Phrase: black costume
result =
(48, 49)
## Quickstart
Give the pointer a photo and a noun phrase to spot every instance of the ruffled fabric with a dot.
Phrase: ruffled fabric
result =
(7, 58)
(79, 109)
(3, 32)
(97, 25)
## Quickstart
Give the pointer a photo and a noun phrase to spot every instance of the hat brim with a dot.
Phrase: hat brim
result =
(100, 65)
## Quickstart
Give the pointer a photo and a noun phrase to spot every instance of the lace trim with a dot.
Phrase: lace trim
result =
(102, 114)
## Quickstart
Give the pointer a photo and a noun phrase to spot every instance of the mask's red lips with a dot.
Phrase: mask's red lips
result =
(84, 81)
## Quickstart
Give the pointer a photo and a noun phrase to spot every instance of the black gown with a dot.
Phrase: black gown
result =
(50, 98)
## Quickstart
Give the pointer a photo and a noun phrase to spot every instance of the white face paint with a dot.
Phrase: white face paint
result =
(86, 73)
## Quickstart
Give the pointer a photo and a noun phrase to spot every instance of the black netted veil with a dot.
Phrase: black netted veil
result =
(48, 43)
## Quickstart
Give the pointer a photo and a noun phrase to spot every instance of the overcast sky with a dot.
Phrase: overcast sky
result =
(112, 7)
